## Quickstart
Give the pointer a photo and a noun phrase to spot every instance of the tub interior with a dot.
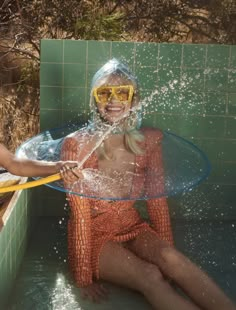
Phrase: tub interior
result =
(44, 280)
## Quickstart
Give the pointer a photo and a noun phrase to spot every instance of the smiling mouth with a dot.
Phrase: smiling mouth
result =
(114, 109)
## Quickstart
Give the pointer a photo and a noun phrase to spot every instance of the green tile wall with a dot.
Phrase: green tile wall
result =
(13, 240)
(192, 88)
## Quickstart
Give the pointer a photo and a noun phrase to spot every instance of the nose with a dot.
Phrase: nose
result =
(111, 96)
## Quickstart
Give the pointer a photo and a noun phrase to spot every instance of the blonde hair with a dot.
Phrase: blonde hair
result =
(131, 141)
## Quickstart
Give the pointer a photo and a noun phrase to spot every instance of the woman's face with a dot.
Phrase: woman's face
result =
(114, 103)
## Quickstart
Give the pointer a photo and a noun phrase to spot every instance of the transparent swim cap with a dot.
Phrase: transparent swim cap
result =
(113, 66)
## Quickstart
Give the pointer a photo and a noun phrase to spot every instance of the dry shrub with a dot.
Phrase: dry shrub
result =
(19, 100)
(17, 124)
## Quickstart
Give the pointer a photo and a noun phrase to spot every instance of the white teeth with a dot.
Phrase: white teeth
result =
(114, 109)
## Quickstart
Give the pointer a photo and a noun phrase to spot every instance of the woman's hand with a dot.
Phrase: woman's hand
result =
(95, 292)
(70, 172)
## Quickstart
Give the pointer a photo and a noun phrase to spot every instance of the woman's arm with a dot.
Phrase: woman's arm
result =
(158, 209)
(29, 168)
(79, 226)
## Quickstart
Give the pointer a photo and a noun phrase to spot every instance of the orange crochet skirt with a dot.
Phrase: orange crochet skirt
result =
(116, 221)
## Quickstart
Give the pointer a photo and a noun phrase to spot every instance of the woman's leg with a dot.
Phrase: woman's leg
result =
(120, 266)
(192, 280)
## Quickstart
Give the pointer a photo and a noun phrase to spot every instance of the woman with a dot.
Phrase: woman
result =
(107, 239)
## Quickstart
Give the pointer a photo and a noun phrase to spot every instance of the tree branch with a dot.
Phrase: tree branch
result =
(200, 31)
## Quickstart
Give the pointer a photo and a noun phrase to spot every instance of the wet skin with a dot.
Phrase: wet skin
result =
(114, 109)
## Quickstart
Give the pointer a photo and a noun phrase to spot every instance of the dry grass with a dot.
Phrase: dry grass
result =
(19, 120)
(19, 100)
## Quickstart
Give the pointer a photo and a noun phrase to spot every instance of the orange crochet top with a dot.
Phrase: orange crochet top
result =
(93, 222)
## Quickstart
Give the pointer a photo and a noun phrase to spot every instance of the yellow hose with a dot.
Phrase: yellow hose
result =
(49, 179)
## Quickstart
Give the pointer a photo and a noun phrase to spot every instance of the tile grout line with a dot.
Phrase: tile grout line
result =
(86, 77)
(227, 93)
(62, 91)
(204, 108)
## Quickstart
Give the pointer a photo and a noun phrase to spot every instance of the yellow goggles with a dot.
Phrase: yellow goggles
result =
(123, 93)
